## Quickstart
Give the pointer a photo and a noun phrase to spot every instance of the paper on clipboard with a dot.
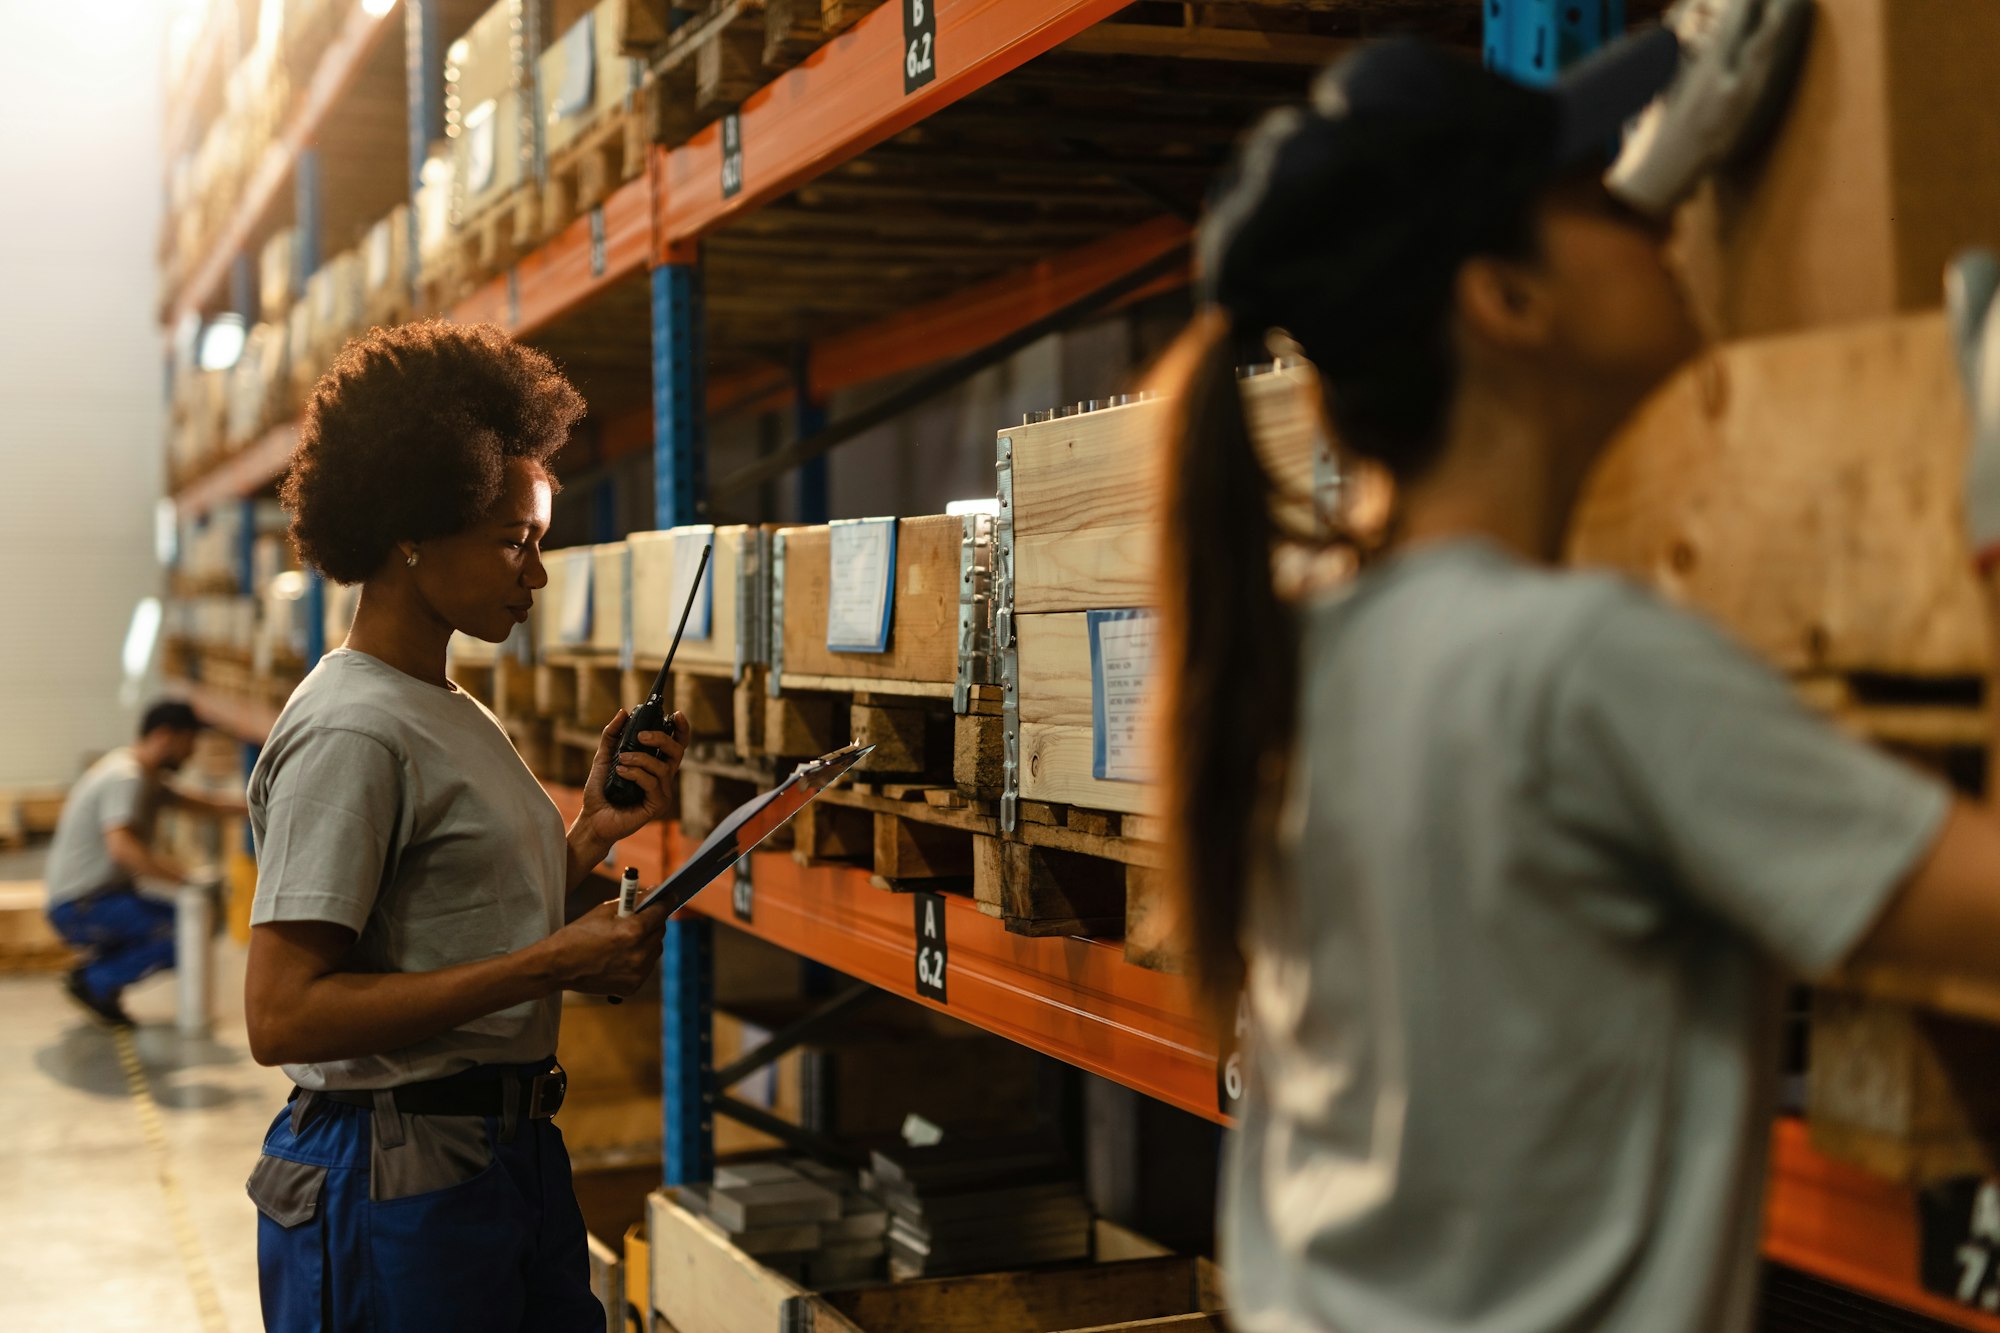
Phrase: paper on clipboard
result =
(861, 584)
(749, 824)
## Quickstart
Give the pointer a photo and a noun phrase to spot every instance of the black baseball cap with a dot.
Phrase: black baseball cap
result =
(1342, 217)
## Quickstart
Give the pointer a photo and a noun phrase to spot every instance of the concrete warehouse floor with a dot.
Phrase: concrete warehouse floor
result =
(101, 1226)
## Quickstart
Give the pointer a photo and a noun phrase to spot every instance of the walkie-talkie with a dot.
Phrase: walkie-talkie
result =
(651, 715)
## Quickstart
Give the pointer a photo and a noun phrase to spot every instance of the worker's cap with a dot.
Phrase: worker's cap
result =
(1407, 160)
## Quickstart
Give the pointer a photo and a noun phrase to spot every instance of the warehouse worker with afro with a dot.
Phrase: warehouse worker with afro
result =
(1508, 863)
(408, 943)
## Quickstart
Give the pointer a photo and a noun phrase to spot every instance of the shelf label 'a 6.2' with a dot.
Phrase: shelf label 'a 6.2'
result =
(919, 44)
(930, 946)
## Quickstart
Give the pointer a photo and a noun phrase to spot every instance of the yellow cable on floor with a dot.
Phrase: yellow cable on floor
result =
(206, 1303)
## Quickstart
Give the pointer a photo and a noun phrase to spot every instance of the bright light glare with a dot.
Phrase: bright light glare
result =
(289, 586)
(958, 507)
(222, 342)
(141, 637)
(377, 8)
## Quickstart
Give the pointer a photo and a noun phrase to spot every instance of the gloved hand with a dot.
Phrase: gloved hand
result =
(1739, 61)
(1969, 286)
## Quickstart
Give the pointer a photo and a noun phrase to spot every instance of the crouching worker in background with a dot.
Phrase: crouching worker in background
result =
(408, 950)
(102, 852)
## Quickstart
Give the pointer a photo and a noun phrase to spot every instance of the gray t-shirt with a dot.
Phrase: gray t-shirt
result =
(114, 794)
(1548, 847)
(400, 810)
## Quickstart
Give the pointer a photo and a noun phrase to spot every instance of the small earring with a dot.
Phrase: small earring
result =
(412, 561)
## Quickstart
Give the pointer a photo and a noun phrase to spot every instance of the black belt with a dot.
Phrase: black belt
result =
(532, 1096)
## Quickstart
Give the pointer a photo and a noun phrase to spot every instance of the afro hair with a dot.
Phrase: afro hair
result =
(408, 436)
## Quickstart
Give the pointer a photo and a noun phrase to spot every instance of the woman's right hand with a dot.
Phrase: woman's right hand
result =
(603, 953)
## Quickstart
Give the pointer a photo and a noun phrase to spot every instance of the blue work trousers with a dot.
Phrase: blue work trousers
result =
(490, 1239)
(122, 934)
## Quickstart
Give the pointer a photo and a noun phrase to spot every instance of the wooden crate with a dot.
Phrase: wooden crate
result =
(1881, 171)
(922, 658)
(718, 679)
(1805, 491)
(1087, 494)
(700, 1281)
(597, 143)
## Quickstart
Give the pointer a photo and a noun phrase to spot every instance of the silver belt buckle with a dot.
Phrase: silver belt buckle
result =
(546, 1092)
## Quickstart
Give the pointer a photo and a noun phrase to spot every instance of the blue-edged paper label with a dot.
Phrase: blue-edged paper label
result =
(687, 559)
(579, 53)
(573, 626)
(861, 585)
(1121, 672)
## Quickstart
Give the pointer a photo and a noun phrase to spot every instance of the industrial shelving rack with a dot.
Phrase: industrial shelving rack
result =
(1073, 999)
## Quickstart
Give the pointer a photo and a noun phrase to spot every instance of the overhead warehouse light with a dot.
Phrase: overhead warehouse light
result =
(222, 342)
(377, 8)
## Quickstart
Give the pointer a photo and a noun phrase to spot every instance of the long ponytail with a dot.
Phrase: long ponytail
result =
(1229, 653)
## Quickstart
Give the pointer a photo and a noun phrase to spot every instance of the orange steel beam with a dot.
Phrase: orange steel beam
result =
(556, 277)
(242, 474)
(1075, 999)
(960, 323)
(335, 74)
(847, 97)
(1845, 1225)
(967, 321)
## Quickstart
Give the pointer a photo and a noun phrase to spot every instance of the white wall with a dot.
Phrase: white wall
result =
(81, 411)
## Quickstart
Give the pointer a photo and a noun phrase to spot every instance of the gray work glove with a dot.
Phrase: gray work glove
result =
(1969, 287)
(1739, 61)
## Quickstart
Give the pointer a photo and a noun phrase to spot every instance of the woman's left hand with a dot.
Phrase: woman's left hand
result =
(606, 823)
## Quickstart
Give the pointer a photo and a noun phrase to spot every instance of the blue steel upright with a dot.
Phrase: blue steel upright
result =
(687, 970)
(1532, 41)
(809, 419)
(305, 259)
(423, 77)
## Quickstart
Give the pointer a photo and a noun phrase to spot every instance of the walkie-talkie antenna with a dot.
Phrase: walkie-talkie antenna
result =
(651, 715)
(694, 590)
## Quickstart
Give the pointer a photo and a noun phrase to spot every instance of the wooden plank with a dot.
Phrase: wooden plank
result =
(1040, 892)
(899, 735)
(1056, 766)
(979, 756)
(1088, 491)
(1805, 491)
(923, 633)
(709, 704)
(701, 1281)
(912, 849)
(914, 689)
(826, 831)
(1180, 1323)
(803, 726)
(1054, 659)
(1153, 935)
(1027, 1302)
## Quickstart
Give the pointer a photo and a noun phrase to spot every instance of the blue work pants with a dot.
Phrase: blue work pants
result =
(436, 1224)
(122, 934)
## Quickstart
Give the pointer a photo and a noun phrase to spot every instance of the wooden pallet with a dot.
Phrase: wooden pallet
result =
(28, 943)
(729, 50)
(1061, 872)
(583, 174)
